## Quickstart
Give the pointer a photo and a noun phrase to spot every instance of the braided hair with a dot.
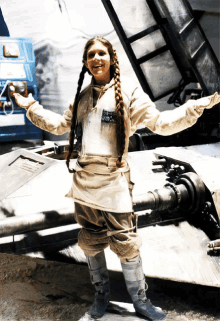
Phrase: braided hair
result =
(73, 121)
(120, 122)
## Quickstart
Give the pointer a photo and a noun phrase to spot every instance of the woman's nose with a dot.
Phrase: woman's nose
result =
(96, 56)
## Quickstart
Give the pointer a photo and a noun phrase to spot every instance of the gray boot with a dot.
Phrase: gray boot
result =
(135, 282)
(99, 277)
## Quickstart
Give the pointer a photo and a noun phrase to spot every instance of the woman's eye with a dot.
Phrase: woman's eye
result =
(92, 54)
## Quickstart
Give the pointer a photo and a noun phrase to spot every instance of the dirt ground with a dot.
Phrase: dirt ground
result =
(35, 289)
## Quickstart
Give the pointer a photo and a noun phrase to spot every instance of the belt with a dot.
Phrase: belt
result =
(103, 160)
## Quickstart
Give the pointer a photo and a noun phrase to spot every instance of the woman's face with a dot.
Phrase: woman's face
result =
(98, 62)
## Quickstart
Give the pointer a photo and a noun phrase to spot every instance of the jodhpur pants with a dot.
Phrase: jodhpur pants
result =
(101, 229)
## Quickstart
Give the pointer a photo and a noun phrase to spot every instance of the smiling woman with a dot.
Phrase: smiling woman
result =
(101, 118)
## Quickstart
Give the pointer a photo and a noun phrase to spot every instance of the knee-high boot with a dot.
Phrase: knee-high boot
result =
(99, 277)
(136, 286)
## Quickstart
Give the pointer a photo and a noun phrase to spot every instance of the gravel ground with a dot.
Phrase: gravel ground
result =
(34, 289)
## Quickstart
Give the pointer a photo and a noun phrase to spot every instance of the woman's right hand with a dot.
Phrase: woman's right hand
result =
(24, 102)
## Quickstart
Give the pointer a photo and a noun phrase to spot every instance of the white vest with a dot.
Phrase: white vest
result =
(98, 124)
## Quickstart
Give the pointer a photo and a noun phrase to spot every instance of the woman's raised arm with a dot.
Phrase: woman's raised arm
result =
(143, 110)
(43, 118)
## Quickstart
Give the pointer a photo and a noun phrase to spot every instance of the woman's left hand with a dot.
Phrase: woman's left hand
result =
(24, 102)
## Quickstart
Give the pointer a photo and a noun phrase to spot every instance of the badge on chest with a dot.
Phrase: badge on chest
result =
(108, 116)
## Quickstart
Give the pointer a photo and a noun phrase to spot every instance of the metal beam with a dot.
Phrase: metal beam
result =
(35, 222)
(204, 5)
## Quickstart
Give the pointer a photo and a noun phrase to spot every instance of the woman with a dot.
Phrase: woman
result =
(102, 118)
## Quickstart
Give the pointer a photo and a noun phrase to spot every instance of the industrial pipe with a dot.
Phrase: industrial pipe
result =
(187, 194)
(34, 222)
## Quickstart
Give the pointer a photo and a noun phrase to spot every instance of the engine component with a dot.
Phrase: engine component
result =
(17, 74)
(187, 194)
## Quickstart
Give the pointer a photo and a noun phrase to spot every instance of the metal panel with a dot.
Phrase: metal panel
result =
(133, 18)
(162, 73)
(209, 6)
(194, 44)
(148, 44)
(18, 168)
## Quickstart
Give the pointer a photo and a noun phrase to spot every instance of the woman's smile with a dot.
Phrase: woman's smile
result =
(97, 66)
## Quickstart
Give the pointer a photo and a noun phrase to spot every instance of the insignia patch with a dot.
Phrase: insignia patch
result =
(108, 116)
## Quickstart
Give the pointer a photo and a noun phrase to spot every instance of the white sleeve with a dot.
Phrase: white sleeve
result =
(50, 121)
(143, 110)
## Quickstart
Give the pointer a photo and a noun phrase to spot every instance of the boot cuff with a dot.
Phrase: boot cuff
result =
(133, 271)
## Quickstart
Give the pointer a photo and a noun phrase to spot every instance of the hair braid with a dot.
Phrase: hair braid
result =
(73, 122)
(120, 122)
